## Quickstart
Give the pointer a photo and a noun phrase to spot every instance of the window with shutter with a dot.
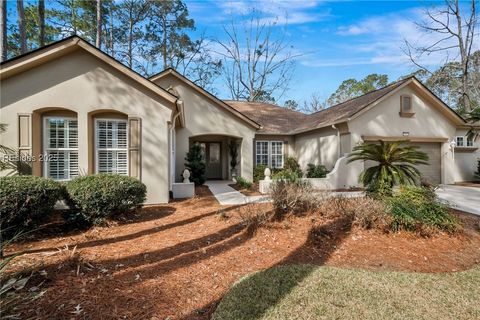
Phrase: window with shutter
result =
(61, 148)
(111, 146)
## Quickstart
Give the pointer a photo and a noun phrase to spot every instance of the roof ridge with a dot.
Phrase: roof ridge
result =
(265, 103)
(369, 92)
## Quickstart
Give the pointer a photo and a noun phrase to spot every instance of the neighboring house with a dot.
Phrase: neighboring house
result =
(89, 113)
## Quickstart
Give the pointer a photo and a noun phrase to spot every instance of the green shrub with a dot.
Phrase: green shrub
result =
(196, 164)
(316, 171)
(96, 197)
(291, 166)
(243, 183)
(288, 175)
(418, 209)
(259, 172)
(26, 200)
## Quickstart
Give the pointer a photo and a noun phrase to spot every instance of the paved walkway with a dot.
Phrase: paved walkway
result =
(226, 195)
(461, 198)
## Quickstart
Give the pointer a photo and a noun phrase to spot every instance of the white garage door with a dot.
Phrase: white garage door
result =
(432, 172)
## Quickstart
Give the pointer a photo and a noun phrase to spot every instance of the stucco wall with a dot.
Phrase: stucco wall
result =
(318, 147)
(428, 122)
(204, 116)
(83, 84)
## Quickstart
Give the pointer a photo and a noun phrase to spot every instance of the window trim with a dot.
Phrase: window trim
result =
(95, 147)
(45, 147)
(263, 154)
(465, 142)
(269, 153)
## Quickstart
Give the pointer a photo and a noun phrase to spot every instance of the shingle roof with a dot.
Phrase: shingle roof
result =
(275, 119)
(272, 118)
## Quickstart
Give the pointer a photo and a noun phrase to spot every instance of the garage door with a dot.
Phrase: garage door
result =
(432, 172)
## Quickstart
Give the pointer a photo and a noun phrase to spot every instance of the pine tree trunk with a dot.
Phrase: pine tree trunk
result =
(41, 22)
(98, 40)
(21, 26)
(3, 30)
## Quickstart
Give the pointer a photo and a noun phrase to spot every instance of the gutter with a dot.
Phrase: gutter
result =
(179, 104)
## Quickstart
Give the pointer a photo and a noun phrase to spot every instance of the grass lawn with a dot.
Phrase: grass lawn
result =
(312, 292)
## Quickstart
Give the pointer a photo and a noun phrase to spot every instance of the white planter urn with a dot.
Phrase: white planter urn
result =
(267, 174)
(186, 176)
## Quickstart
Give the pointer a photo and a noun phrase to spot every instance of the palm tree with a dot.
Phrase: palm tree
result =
(396, 164)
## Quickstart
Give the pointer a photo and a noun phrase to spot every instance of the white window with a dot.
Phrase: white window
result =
(262, 152)
(276, 154)
(269, 153)
(462, 141)
(60, 148)
(111, 146)
(469, 142)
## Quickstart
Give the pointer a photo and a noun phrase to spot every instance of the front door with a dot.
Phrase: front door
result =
(213, 159)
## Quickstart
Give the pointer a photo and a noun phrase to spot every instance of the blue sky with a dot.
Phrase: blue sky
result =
(336, 40)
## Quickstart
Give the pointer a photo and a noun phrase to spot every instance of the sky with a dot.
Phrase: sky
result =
(334, 40)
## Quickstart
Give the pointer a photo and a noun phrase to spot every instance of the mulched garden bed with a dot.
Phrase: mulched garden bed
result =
(176, 261)
(253, 191)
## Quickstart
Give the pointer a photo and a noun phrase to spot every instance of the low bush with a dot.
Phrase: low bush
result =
(286, 175)
(26, 201)
(418, 209)
(253, 217)
(316, 171)
(96, 197)
(296, 197)
(259, 172)
(292, 165)
(243, 183)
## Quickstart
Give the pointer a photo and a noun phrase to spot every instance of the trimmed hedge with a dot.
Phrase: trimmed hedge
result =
(26, 200)
(96, 197)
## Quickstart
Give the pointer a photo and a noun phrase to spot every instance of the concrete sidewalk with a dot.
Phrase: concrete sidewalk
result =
(226, 195)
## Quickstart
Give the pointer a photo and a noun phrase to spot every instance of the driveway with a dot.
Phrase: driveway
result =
(461, 198)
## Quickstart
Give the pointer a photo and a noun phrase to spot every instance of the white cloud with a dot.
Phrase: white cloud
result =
(381, 40)
(279, 11)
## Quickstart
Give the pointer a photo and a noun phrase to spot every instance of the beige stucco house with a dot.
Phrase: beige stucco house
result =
(72, 110)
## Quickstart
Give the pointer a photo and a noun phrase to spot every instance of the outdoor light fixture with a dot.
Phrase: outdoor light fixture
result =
(453, 144)
(405, 133)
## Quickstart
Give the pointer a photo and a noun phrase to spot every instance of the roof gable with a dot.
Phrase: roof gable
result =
(57, 49)
(278, 120)
(206, 94)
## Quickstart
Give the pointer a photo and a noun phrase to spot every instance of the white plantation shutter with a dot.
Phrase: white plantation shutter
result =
(111, 146)
(61, 148)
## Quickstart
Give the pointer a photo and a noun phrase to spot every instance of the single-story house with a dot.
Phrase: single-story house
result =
(72, 109)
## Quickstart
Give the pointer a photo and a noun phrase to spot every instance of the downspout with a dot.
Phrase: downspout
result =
(179, 104)
(339, 149)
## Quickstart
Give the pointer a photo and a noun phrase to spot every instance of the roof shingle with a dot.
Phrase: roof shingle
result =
(278, 120)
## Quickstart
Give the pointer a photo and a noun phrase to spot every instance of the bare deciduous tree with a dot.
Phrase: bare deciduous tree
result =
(315, 104)
(21, 26)
(256, 64)
(457, 32)
(3, 30)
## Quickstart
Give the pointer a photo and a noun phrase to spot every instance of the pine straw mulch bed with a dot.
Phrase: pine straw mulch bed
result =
(176, 261)
(253, 191)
